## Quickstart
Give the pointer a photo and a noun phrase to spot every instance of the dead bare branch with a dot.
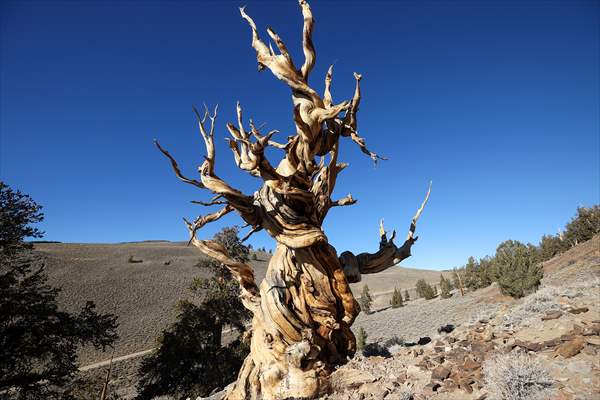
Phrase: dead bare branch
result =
(175, 167)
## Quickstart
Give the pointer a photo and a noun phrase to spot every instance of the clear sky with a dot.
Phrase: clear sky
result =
(497, 102)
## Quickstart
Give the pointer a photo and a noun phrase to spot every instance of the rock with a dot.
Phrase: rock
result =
(552, 342)
(440, 373)
(449, 384)
(466, 386)
(446, 328)
(439, 359)
(375, 391)
(481, 347)
(552, 315)
(430, 388)
(470, 365)
(569, 349)
(579, 310)
(488, 334)
(532, 346)
(595, 340)
(424, 340)
(349, 378)
(401, 378)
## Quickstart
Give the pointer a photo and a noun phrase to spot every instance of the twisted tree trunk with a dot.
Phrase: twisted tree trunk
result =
(303, 309)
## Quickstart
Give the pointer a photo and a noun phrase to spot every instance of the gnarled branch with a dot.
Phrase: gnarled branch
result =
(242, 272)
(176, 168)
(388, 255)
(307, 44)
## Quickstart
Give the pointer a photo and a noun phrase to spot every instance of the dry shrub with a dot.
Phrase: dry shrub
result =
(516, 376)
(533, 307)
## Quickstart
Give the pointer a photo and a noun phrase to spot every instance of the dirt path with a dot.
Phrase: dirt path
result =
(115, 360)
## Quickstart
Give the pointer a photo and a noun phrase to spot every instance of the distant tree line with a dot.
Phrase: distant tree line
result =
(517, 267)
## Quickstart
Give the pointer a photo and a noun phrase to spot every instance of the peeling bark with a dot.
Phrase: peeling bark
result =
(303, 309)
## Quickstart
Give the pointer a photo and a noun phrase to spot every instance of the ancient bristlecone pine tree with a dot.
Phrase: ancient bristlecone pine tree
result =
(303, 309)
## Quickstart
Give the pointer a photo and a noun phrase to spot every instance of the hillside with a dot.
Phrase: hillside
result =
(144, 294)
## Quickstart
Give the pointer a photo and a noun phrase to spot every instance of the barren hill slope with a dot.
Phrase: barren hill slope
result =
(144, 294)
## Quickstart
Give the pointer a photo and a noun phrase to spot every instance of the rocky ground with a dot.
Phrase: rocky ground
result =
(545, 345)
(564, 343)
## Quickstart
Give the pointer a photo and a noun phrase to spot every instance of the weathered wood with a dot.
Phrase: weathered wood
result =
(303, 309)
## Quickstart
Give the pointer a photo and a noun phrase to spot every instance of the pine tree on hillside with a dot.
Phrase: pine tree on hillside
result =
(365, 300)
(445, 288)
(424, 290)
(361, 339)
(396, 300)
(584, 226)
(38, 341)
(519, 271)
(406, 295)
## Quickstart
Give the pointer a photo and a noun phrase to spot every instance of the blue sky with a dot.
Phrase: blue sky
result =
(496, 102)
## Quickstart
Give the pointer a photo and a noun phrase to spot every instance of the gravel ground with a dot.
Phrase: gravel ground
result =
(422, 317)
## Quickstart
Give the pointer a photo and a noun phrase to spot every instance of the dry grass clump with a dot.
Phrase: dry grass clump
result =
(516, 376)
(533, 307)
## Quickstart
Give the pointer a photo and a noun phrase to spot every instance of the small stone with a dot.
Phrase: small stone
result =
(579, 310)
(595, 340)
(424, 340)
(375, 390)
(348, 378)
(466, 387)
(488, 335)
(552, 315)
(533, 346)
(552, 342)
(430, 388)
(470, 365)
(440, 373)
(569, 349)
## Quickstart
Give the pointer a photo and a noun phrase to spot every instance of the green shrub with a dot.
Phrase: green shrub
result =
(365, 300)
(361, 339)
(519, 272)
(445, 287)
(396, 300)
(583, 226)
(550, 246)
(424, 290)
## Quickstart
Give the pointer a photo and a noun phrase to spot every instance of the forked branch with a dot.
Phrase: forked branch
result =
(388, 255)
